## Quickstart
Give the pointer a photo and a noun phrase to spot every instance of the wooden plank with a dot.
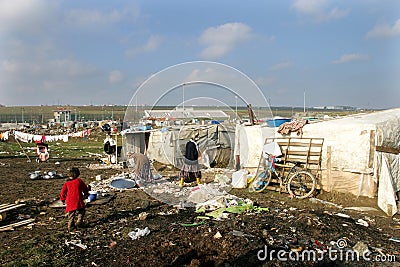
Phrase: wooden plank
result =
(329, 167)
(304, 153)
(391, 150)
(12, 207)
(300, 144)
(371, 149)
(11, 226)
(302, 160)
(6, 205)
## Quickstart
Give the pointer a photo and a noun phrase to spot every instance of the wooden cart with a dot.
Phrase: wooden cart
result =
(308, 151)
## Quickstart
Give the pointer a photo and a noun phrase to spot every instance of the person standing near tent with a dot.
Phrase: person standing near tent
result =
(191, 167)
(73, 192)
(141, 168)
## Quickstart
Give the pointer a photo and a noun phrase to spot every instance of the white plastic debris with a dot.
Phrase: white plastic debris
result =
(342, 215)
(361, 248)
(139, 233)
(362, 222)
(143, 216)
(361, 208)
(315, 200)
(76, 243)
(217, 235)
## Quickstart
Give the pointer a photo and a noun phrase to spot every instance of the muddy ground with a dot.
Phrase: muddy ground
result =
(288, 226)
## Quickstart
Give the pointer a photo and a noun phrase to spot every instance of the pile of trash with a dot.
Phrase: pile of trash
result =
(37, 175)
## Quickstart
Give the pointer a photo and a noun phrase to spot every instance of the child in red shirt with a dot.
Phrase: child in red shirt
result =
(73, 192)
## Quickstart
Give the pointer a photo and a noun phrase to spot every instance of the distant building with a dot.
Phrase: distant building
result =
(335, 107)
(62, 115)
(180, 114)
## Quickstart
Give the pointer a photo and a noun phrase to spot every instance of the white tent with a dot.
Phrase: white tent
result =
(360, 153)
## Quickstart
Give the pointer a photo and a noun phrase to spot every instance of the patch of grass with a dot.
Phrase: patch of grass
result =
(75, 148)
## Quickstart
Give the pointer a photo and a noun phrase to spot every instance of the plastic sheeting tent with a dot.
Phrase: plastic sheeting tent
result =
(167, 145)
(360, 153)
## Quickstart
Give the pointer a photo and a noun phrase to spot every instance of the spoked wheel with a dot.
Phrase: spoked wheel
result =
(261, 181)
(301, 184)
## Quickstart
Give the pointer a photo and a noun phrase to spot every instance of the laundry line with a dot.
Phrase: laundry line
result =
(30, 138)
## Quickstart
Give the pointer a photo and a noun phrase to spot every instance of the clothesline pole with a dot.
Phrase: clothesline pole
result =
(23, 150)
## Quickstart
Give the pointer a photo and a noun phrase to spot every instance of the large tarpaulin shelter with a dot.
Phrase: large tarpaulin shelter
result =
(360, 153)
(167, 145)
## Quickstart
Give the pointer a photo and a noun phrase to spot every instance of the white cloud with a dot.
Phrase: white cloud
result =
(115, 76)
(223, 39)
(318, 10)
(84, 17)
(266, 81)
(26, 16)
(350, 57)
(52, 69)
(281, 66)
(152, 44)
(384, 31)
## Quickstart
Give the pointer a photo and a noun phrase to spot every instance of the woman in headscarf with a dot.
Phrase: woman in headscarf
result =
(141, 167)
(191, 167)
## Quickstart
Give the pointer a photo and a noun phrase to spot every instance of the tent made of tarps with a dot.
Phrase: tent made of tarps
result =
(167, 145)
(360, 153)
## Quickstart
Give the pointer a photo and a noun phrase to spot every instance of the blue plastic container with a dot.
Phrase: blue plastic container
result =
(277, 122)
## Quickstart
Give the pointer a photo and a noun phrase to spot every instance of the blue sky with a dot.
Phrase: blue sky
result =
(100, 52)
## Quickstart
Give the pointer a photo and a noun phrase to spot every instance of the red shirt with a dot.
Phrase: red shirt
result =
(72, 193)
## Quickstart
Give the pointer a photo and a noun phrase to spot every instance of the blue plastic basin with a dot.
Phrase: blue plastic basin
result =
(277, 122)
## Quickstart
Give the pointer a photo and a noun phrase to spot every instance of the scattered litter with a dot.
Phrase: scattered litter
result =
(203, 217)
(104, 166)
(314, 200)
(203, 193)
(361, 248)
(112, 244)
(342, 215)
(36, 175)
(157, 176)
(139, 233)
(233, 209)
(76, 243)
(239, 233)
(217, 235)
(222, 178)
(362, 222)
(191, 224)
(143, 216)
(395, 239)
(239, 179)
(379, 250)
(361, 208)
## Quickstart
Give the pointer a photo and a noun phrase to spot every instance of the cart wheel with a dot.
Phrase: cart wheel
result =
(301, 184)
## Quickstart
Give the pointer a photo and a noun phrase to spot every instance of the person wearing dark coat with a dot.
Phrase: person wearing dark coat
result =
(191, 167)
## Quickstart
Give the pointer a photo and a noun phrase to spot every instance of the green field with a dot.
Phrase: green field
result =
(41, 114)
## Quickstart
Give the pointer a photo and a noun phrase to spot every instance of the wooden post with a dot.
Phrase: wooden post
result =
(329, 167)
(23, 150)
